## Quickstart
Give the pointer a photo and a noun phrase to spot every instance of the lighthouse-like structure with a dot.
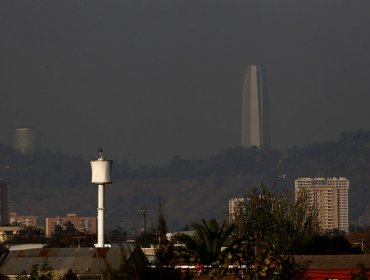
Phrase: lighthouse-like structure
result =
(100, 175)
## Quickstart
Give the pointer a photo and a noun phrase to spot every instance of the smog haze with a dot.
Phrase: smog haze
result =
(148, 80)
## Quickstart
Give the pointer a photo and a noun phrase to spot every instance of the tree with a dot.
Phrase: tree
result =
(38, 272)
(206, 247)
(66, 236)
(57, 237)
(28, 235)
(268, 228)
(42, 272)
(164, 250)
(270, 220)
(69, 275)
(164, 254)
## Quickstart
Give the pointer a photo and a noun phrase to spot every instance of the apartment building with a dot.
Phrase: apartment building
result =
(27, 221)
(8, 232)
(329, 197)
(82, 224)
(235, 205)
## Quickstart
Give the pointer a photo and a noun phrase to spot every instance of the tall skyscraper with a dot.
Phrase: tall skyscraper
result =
(5, 202)
(24, 140)
(329, 197)
(254, 124)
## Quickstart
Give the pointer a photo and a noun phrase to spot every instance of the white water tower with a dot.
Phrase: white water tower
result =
(100, 175)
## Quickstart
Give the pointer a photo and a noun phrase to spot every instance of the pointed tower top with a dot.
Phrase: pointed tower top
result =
(101, 154)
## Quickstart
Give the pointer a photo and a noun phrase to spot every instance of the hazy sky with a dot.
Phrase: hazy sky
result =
(149, 79)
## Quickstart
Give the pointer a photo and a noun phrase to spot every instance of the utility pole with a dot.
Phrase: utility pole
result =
(141, 211)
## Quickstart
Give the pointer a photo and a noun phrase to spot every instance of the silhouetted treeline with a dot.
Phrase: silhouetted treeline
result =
(232, 162)
(36, 175)
(55, 168)
(46, 168)
(349, 156)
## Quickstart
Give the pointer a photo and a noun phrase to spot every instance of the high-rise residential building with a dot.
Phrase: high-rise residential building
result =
(329, 197)
(24, 140)
(4, 202)
(27, 221)
(235, 205)
(82, 224)
(254, 123)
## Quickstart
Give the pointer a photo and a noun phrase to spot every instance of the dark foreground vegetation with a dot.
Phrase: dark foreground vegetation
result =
(260, 243)
(269, 228)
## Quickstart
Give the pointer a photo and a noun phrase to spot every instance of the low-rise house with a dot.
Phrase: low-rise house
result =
(87, 263)
(150, 254)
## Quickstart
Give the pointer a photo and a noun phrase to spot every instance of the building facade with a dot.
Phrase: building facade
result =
(27, 221)
(82, 224)
(8, 232)
(254, 123)
(329, 197)
(235, 205)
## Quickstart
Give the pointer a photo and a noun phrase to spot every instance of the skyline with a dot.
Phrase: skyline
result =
(146, 83)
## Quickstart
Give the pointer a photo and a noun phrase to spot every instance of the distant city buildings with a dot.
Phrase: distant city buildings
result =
(27, 221)
(24, 140)
(254, 122)
(82, 224)
(329, 197)
(8, 232)
(4, 203)
(235, 204)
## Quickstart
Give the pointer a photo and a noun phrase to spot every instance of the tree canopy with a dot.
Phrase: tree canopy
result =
(206, 247)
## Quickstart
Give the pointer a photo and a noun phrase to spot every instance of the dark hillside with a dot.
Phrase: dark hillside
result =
(47, 183)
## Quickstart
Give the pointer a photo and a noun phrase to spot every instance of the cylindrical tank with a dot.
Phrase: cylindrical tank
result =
(101, 169)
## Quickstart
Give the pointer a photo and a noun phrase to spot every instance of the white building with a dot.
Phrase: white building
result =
(235, 205)
(329, 197)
